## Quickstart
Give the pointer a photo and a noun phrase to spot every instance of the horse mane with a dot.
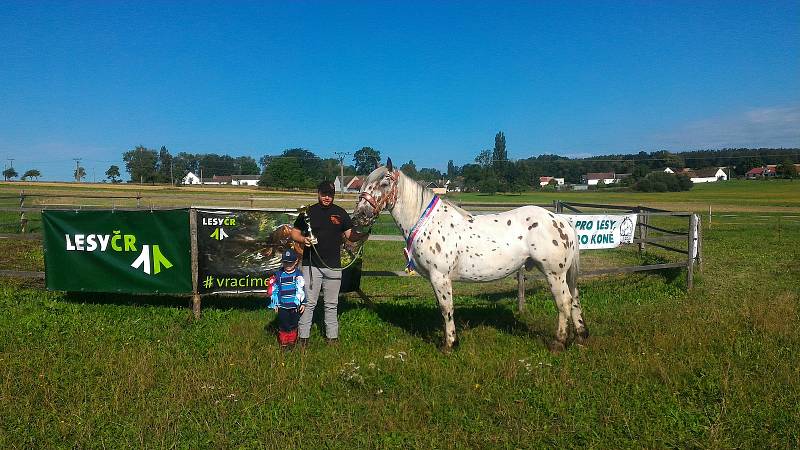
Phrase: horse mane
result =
(416, 196)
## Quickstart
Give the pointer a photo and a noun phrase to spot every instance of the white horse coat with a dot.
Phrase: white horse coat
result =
(453, 245)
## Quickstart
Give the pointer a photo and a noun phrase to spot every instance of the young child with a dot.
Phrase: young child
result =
(288, 298)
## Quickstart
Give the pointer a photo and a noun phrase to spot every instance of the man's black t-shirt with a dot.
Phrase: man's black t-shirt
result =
(328, 224)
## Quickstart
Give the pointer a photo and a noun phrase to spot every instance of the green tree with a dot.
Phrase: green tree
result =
(9, 173)
(79, 173)
(786, 169)
(32, 173)
(309, 162)
(452, 170)
(484, 158)
(366, 159)
(410, 169)
(285, 173)
(429, 174)
(113, 173)
(473, 175)
(663, 182)
(142, 164)
(164, 166)
(489, 184)
(499, 154)
(246, 165)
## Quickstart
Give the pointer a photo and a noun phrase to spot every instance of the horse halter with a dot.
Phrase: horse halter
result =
(386, 201)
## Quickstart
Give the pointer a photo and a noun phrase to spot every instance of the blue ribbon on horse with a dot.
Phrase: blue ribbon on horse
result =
(412, 234)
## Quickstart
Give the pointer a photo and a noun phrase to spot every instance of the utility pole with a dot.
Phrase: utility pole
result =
(341, 156)
(171, 176)
(12, 162)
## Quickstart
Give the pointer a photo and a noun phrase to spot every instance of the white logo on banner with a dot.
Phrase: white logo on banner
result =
(603, 231)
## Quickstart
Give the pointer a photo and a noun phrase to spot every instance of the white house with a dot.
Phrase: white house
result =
(593, 178)
(245, 180)
(348, 183)
(709, 175)
(191, 178)
(544, 181)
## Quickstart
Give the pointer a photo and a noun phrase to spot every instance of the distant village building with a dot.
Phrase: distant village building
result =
(594, 178)
(768, 171)
(544, 181)
(348, 183)
(709, 175)
(191, 178)
(437, 188)
(245, 180)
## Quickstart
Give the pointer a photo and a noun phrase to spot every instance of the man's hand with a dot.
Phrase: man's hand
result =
(309, 241)
(302, 309)
(276, 309)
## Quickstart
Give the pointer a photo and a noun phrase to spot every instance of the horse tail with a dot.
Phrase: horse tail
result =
(574, 268)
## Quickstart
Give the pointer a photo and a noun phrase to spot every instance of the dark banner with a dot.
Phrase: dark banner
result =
(118, 251)
(238, 250)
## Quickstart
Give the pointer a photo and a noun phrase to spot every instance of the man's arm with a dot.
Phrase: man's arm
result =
(297, 236)
(354, 236)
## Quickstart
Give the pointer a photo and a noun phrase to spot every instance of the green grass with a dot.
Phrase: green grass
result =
(735, 195)
(715, 368)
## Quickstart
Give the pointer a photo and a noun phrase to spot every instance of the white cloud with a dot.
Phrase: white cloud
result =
(777, 126)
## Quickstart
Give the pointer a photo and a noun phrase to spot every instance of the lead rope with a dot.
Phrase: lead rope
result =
(314, 248)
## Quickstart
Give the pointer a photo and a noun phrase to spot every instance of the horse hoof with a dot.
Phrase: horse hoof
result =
(556, 347)
(448, 348)
(582, 337)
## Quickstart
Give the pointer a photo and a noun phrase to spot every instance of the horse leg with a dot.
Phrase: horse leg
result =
(562, 297)
(443, 288)
(581, 331)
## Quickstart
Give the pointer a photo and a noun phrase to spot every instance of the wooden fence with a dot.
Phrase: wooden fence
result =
(646, 234)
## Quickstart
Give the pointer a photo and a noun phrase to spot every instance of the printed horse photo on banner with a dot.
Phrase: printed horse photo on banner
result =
(238, 249)
(445, 243)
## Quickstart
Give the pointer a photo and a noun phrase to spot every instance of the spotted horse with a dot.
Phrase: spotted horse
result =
(445, 243)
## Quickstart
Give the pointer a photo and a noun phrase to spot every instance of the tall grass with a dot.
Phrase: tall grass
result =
(715, 367)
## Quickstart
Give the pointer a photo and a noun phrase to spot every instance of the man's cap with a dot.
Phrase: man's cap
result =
(289, 256)
(326, 187)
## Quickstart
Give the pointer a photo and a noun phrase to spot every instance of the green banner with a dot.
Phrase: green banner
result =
(118, 251)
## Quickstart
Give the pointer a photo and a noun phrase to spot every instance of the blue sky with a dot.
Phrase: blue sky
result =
(421, 81)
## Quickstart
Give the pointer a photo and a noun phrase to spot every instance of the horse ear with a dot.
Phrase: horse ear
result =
(389, 164)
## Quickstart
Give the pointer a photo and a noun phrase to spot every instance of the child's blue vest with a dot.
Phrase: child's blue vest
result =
(285, 290)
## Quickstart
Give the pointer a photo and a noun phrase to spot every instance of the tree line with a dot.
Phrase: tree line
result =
(490, 171)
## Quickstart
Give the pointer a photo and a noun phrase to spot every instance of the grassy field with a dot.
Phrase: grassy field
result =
(716, 367)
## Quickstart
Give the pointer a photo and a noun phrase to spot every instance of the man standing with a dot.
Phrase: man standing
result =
(330, 224)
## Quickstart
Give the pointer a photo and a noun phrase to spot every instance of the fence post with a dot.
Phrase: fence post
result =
(643, 223)
(521, 290)
(709, 217)
(138, 199)
(195, 291)
(699, 244)
(23, 221)
(690, 258)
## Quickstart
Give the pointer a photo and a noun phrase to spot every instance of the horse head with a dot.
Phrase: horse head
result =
(378, 192)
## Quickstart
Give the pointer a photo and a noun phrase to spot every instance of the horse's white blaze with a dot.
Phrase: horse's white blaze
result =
(457, 246)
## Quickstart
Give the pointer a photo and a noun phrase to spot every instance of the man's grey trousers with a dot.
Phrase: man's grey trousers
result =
(327, 282)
